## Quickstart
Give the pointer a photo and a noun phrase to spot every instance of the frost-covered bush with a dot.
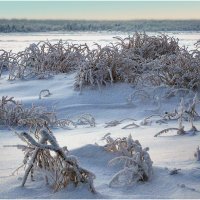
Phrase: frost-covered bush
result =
(197, 44)
(182, 114)
(43, 157)
(4, 60)
(98, 68)
(176, 70)
(42, 59)
(117, 122)
(8, 62)
(106, 65)
(85, 119)
(137, 164)
(148, 47)
(122, 61)
(14, 113)
(155, 60)
(138, 59)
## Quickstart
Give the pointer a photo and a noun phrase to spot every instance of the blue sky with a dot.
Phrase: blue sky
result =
(105, 10)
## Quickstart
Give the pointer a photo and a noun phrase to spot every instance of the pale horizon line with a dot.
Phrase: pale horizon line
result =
(142, 19)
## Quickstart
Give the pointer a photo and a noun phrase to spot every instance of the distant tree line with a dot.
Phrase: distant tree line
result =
(15, 25)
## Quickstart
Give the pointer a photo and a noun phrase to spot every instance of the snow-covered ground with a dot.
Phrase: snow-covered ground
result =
(106, 105)
(109, 104)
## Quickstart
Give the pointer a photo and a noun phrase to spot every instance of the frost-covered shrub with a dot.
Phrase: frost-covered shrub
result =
(8, 62)
(176, 70)
(138, 59)
(182, 114)
(44, 157)
(105, 66)
(110, 64)
(148, 47)
(85, 119)
(137, 162)
(4, 60)
(45, 58)
(99, 67)
(117, 122)
(197, 44)
(155, 60)
(14, 113)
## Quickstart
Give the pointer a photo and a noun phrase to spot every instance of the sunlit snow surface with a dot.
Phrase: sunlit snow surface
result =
(106, 105)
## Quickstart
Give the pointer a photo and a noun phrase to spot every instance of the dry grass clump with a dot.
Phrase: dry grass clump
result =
(162, 61)
(83, 119)
(155, 60)
(44, 157)
(42, 60)
(137, 162)
(4, 60)
(148, 47)
(117, 122)
(14, 113)
(10, 62)
(178, 70)
(138, 59)
(98, 68)
(197, 44)
(182, 114)
(106, 65)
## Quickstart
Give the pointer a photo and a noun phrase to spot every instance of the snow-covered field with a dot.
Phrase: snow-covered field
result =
(19, 41)
(170, 151)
